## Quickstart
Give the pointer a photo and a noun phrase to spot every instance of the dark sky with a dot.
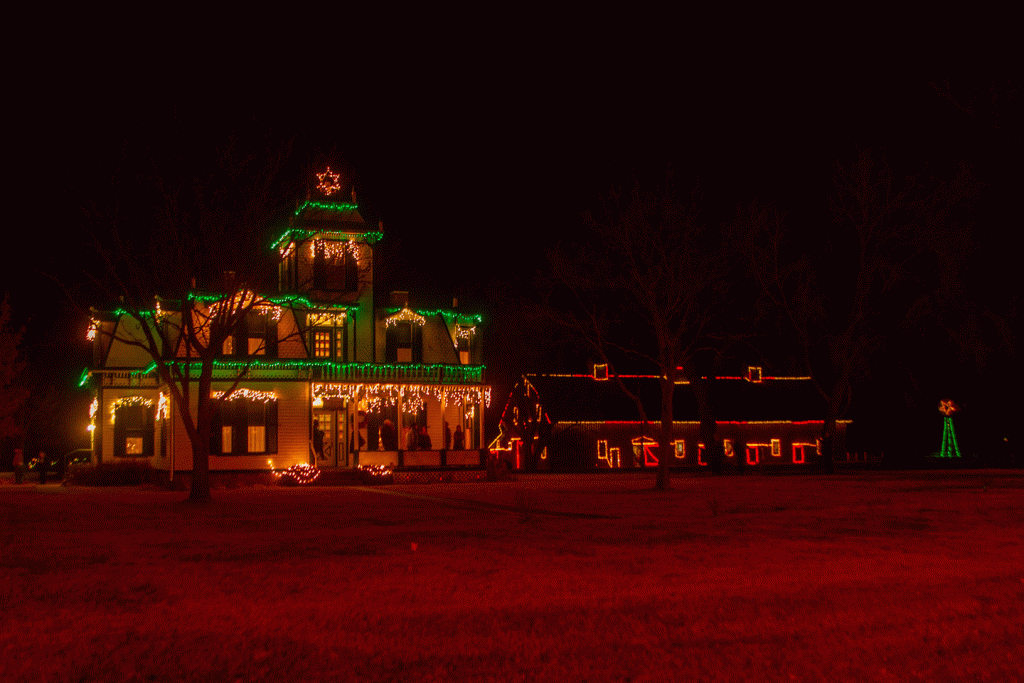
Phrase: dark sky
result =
(476, 166)
(458, 161)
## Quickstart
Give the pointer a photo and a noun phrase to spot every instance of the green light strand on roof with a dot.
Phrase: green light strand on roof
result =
(83, 379)
(290, 363)
(289, 300)
(448, 315)
(327, 206)
(371, 236)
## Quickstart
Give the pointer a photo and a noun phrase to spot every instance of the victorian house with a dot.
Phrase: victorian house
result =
(320, 353)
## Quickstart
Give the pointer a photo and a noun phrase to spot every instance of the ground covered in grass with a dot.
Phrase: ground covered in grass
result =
(896, 576)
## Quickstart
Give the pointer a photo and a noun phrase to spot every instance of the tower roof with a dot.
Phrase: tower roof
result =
(330, 211)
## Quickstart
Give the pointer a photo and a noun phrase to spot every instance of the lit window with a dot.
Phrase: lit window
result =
(257, 336)
(322, 344)
(229, 346)
(245, 426)
(257, 439)
(404, 343)
(133, 430)
(403, 332)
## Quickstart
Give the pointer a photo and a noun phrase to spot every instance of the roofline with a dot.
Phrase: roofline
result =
(682, 381)
(697, 422)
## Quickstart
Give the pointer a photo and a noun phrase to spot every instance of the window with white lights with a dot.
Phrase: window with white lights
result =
(404, 343)
(335, 266)
(133, 430)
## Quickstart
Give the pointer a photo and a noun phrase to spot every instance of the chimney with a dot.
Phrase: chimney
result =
(354, 195)
(400, 299)
(455, 302)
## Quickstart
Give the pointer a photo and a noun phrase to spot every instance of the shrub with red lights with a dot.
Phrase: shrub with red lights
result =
(376, 474)
(297, 475)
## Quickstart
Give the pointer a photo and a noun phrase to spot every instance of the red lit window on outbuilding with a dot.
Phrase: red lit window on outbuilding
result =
(648, 446)
(800, 451)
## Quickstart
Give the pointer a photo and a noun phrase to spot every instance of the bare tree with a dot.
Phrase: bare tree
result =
(196, 231)
(844, 301)
(996, 106)
(646, 287)
(14, 390)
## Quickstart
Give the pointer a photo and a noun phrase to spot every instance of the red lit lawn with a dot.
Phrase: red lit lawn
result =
(873, 577)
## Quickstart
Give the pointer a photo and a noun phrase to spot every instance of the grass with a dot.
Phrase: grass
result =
(547, 578)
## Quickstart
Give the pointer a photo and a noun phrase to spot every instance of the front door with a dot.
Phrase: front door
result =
(332, 423)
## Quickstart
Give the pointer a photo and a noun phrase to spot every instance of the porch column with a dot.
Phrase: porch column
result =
(481, 443)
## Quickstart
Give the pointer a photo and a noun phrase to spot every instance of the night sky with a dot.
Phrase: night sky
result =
(476, 167)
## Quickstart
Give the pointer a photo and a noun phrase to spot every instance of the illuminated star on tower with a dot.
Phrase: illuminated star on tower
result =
(947, 408)
(329, 182)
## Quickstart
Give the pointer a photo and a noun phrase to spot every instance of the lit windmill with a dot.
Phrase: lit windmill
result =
(949, 448)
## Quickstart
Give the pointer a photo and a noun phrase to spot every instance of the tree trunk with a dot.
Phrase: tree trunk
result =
(828, 430)
(665, 451)
(199, 491)
(708, 426)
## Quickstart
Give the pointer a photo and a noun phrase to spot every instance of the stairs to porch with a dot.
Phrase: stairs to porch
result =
(339, 477)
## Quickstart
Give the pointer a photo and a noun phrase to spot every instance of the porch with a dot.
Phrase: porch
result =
(456, 459)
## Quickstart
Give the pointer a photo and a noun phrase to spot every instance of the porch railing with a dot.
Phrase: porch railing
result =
(399, 374)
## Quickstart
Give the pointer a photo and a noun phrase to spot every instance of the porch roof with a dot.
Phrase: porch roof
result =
(327, 371)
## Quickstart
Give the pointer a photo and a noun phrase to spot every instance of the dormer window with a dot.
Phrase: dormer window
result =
(256, 335)
(403, 342)
(404, 337)
(463, 338)
(754, 374)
